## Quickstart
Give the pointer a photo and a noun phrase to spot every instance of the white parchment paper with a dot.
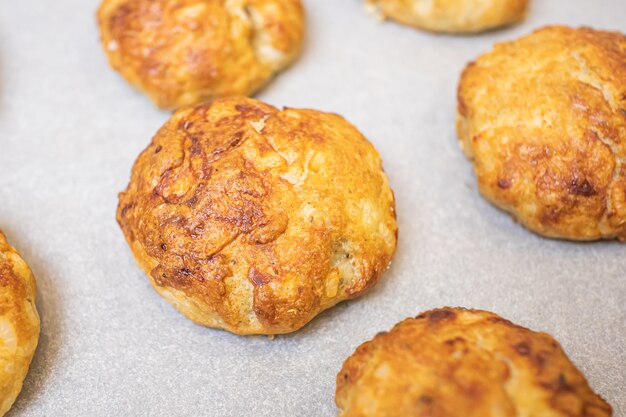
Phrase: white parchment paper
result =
(70, 129)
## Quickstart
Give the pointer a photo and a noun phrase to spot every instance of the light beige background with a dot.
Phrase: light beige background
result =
(70, 129)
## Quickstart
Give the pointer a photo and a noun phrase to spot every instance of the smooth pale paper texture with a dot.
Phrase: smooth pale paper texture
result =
(70, 129)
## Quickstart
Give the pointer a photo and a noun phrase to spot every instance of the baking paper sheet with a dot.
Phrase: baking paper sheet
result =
(70, 129)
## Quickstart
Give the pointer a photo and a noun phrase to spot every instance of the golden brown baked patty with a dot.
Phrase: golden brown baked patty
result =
(182, 52)
(452, 16)
(254, 219)
(543, 119)
(19, 323)
(452, 362)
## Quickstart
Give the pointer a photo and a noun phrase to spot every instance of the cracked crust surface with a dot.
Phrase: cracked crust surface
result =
(19, 323)
(453, 362)
(254, 219)
(543, 119)
(452, 16)
(183, 52)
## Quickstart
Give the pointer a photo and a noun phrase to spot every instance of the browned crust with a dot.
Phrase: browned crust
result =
(255, 219)
(456, 362)
(452, 16)
(543, 119)
(182, 52)
(19, 323)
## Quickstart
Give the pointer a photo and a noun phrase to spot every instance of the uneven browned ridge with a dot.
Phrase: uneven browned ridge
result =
(543, 119)
(453, 362)
(185, 52)
(254, 219)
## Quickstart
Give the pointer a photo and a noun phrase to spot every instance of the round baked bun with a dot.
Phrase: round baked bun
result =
(543, 119)
(452, 362)
(254, 219)
(19, 323)
(451, 16)
(183, 52)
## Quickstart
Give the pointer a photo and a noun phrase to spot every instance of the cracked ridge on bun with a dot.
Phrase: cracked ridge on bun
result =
(454, 362)
(184, 52)
(543, 119)
(254, 219)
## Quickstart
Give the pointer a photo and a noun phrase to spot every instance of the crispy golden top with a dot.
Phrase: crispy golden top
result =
(544, 120)
(19, 323)
(452, 16)
(182, 52)
(452, 362)
(255, 219)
